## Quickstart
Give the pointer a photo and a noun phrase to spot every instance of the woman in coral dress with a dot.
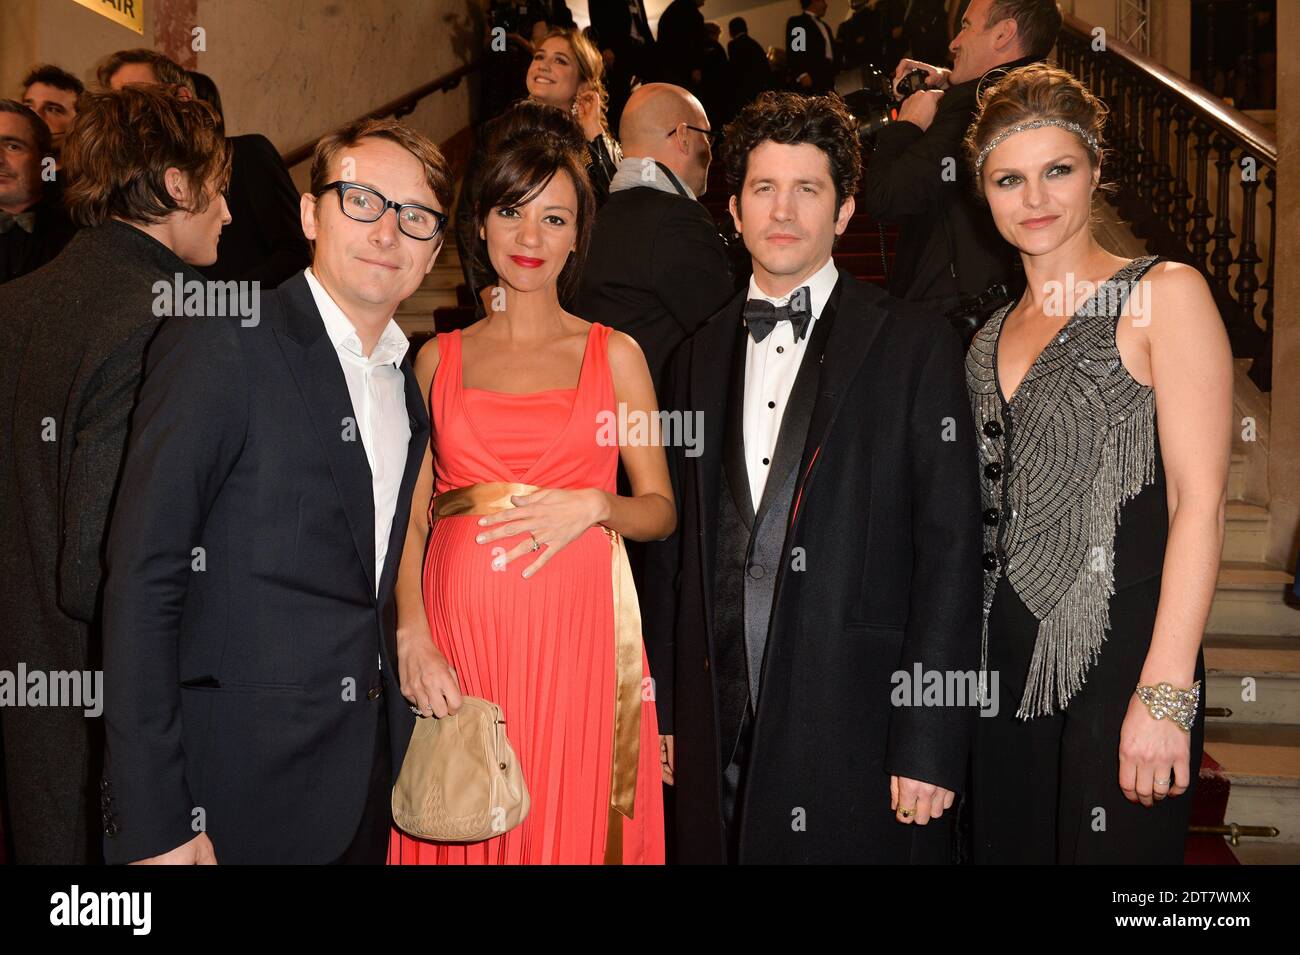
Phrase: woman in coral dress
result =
(517, 606)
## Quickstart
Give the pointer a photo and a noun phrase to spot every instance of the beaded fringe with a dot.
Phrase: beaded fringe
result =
(1070, 636)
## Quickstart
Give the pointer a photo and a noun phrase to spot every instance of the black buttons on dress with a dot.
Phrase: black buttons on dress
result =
(780, 349)
(990, 560)
(993, 470)
(771, 404)
(993, 429)
(991, 516)
(766, 460)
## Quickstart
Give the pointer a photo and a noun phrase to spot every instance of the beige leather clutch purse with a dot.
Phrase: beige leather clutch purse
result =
(460, 779)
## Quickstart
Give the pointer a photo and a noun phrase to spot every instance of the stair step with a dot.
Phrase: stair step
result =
(1266, 852)
(1262, 764)
(1246, 534)
(1237, 476)
(1270, 662)
(1250, 597)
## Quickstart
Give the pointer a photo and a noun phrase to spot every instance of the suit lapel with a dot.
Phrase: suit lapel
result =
(315, 366)
(419, 423)
(858, 321)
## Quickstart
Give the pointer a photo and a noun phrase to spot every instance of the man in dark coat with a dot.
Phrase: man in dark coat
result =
(657, 268)
(751, 73)
(811, 56)
(828, 553)
(76, 335)
(34, 227)
(250, 653)
(681, 43)
(627, 46)
(949, 250)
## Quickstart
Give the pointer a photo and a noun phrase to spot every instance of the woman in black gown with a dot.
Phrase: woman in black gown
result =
(1103, 404)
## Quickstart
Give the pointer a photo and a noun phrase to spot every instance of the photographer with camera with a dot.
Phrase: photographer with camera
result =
(949, 253)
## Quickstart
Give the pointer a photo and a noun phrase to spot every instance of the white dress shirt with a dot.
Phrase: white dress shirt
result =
(770, 369)
(378, 392)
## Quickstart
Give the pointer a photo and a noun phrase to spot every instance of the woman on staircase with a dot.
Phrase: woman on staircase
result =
(1102, 401)
(523, 596)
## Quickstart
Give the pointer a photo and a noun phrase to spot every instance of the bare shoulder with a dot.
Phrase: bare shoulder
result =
(1176, 286)
(1179, 302)
(623, 347)
(625, 355)
(426, 362)
(627, 365)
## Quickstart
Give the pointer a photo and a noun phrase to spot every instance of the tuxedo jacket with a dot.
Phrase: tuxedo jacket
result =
(243, 634)
(880, 572)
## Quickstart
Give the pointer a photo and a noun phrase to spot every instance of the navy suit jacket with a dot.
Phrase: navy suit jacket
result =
(243, 680)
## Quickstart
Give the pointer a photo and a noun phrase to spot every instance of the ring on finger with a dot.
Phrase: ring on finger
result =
(536, 543)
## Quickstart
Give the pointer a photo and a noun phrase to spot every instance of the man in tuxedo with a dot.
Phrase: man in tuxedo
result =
(74, 338)
(750, 71)
(628, 47)
(34, 227)
(264, 242)
(682, 42)
(250, 662)
(810, 49)
(829, 539)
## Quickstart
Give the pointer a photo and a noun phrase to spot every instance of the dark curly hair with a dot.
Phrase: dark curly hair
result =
(523, 160)
(790, 119)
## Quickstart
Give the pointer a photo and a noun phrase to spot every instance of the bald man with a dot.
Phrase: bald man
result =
(658, 267)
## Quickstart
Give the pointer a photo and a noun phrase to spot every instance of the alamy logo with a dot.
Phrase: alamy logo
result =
(103, 908)
(82, 689)
(207, 298)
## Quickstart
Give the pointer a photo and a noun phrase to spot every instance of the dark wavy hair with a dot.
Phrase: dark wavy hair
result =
(790, 119)
(521, 163)
(118, 152)
(51, 75)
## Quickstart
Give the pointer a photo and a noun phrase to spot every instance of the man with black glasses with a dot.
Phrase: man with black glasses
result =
(253, 712)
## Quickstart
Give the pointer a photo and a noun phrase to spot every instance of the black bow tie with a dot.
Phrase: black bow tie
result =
(24, 220)
(761, 315)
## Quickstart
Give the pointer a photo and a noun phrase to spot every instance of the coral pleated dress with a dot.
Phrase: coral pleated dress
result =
(542, 648)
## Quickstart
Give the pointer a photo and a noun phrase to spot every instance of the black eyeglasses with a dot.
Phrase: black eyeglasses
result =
(366, 205)
(711, 134)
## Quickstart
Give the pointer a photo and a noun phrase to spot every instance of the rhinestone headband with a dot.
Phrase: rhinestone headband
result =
(1073, 127)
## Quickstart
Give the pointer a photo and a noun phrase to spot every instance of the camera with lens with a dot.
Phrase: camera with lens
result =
(873, 106)
(913, 82)
(972, 311)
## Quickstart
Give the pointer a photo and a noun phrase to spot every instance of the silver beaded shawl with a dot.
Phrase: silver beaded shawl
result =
(1082, 442)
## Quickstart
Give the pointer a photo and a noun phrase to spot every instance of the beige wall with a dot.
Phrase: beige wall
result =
(290, 69)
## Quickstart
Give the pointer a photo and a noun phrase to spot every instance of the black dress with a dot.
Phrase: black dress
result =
(1076, 522)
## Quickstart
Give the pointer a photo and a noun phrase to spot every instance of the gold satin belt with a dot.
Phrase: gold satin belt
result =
(491, 497)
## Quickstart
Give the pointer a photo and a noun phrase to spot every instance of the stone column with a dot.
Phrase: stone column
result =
(1284, 446)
